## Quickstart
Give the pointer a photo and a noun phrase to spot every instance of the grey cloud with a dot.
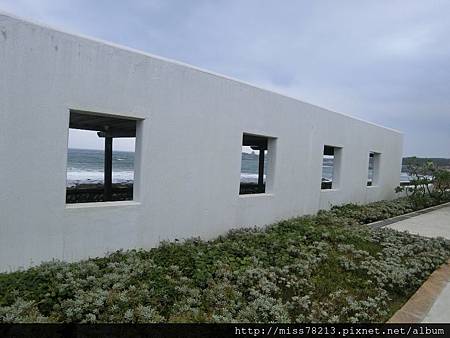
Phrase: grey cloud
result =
(384, 61)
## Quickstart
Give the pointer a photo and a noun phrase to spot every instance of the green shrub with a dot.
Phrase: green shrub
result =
(364, 214)
(324, 268)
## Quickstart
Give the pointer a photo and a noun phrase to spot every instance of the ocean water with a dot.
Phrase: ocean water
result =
(249, 168)
(86, 166)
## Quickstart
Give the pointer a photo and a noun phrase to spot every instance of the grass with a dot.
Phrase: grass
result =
(324, 268)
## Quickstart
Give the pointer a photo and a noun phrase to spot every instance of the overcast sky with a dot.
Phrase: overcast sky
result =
(384, 61)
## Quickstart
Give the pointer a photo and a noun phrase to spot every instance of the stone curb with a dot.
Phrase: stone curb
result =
(385, 222)
(418, 306)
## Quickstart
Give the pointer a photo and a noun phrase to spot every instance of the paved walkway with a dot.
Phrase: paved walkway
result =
(440, 311)
(433, 224)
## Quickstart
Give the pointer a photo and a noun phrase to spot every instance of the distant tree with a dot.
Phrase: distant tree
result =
(440, 162)
(429, 183)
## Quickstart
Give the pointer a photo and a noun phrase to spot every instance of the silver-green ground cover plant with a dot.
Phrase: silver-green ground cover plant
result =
(324, 268)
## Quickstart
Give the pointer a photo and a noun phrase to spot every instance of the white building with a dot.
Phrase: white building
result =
(189, 125)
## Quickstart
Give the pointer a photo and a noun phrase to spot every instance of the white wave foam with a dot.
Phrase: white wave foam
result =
(75, 177)
(83, 177)
(250, 178)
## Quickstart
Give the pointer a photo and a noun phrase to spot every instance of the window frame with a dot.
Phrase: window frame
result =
(138, 127)
(337, 152)
(268, 167)
(375, 182)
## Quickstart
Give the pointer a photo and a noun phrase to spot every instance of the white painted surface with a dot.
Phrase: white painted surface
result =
(188, 148)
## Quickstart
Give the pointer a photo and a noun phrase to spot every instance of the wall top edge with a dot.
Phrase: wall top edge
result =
(4, 15)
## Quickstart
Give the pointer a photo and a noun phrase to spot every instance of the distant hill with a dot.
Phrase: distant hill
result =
(440, 162)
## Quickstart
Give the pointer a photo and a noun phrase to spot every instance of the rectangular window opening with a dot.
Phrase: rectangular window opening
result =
(100, 158)
(330, 167)
(254, 164)
(373, 169)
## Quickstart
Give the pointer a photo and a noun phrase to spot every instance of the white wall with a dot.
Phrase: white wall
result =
(188, 149)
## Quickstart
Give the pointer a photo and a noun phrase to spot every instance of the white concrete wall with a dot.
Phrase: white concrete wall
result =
(188, 149)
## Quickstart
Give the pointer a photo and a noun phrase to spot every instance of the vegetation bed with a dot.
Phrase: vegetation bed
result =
(324, 268)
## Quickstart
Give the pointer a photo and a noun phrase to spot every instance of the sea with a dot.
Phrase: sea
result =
(85, 166)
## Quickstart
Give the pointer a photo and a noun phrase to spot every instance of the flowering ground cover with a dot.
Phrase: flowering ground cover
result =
(324, 268)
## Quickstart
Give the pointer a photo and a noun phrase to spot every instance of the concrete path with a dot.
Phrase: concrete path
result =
(440, 311)
(433, 224)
